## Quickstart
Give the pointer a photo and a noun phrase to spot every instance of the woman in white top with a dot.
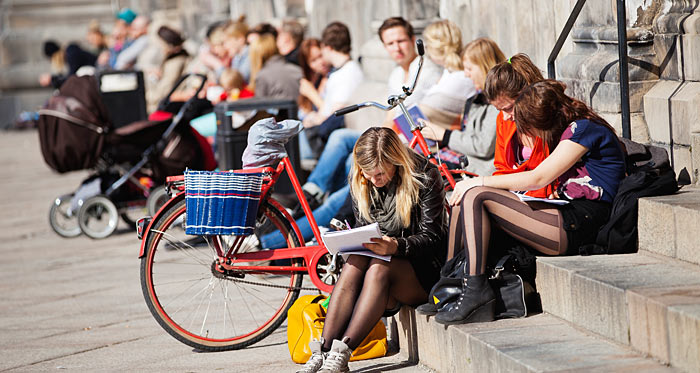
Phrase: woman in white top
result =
(444, 102)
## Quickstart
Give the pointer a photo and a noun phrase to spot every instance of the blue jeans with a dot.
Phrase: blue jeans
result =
(323, 215)
(305, 151)
(331, 171)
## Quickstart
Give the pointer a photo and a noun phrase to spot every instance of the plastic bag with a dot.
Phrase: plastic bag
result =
(266, 139)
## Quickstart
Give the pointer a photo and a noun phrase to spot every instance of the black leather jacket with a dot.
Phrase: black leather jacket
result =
(424, 242)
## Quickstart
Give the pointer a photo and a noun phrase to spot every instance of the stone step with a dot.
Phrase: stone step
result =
(668, 225)
(649, 302)
(539, 343)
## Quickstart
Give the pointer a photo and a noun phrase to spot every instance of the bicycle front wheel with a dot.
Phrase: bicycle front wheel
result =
(203, 307)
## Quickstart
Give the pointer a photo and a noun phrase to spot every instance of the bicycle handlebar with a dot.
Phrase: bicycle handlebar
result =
(346, 110)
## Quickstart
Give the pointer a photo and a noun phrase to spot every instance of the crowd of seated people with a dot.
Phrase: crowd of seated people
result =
(518, 131)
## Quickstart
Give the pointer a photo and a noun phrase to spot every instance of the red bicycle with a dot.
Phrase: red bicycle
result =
(220, 292)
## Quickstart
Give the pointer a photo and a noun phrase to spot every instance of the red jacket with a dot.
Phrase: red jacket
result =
(505, 160)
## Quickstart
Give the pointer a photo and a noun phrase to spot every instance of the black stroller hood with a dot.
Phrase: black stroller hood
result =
(72, 125)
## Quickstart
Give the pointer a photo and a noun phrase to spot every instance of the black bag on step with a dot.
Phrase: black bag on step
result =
(449, 287)
(515, 297)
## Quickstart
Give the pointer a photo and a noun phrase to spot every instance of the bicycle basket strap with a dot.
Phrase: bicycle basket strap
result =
(223, 203)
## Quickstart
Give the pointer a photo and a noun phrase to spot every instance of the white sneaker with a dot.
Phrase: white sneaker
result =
(337, 359)
(317, 357)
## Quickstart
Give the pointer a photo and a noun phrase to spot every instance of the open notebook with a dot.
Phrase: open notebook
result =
(350, 241)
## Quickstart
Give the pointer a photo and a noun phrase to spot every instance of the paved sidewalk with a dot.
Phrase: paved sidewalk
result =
(76, 304)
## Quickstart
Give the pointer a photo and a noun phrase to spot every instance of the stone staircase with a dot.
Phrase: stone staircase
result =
(610, 313)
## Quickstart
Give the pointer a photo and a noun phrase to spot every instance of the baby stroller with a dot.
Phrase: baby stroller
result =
(129, 164)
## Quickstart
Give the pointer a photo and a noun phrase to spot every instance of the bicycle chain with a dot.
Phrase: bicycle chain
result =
(271, 285)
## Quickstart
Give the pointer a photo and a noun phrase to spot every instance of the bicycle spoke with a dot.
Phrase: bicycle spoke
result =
(178, 245)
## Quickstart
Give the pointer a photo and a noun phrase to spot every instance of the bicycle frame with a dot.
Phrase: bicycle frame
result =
(236, 261)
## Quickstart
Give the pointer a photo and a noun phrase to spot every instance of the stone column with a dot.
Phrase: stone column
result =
(672, 106)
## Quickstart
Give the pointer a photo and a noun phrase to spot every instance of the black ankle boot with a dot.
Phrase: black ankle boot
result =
(477, 303)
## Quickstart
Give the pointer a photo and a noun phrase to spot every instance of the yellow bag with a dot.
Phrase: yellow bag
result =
(305, 320)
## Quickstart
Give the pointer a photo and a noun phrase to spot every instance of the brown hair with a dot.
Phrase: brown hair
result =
(337, 36)
(310, 75)
(508, 78)
(378, 148)
(170, 36)
(543, 109)
(263, 29)
(395, 22)
(484, 53)
(260, 51)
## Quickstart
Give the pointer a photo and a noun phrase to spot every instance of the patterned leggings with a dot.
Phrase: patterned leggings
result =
(537, 224)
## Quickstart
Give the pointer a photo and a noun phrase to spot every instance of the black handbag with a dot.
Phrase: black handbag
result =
(514, 296)
(449, 287)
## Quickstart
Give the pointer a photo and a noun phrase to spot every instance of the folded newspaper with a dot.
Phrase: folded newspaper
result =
(350, 241)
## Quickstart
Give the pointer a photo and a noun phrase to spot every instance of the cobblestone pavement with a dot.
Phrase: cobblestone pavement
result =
(76, 304)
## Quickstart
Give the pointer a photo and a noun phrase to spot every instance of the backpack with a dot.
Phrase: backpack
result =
(649, 173)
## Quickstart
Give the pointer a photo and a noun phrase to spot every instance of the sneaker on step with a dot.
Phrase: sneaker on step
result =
(317, 358)
(337, 358)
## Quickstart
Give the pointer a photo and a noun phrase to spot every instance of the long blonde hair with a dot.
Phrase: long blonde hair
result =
(260, 51)
(378, 148)
(444, 39)
(484, 53)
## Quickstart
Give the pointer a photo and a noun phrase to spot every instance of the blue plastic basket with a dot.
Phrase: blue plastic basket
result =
(224, 203)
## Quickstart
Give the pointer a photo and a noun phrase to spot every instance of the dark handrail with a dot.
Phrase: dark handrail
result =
(562, 38)
(624, 74)
(622, 51)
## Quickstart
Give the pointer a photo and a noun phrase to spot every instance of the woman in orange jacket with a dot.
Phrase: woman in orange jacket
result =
(514, 152)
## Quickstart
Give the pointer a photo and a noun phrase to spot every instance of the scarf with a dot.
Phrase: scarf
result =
(383, 209)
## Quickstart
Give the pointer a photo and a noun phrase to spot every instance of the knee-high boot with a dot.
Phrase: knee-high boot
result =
(477, 303)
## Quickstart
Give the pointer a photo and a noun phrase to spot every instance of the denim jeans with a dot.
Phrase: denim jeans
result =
(323, 215)
(333, 166)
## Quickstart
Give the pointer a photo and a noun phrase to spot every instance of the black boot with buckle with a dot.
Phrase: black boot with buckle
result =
(477, 303)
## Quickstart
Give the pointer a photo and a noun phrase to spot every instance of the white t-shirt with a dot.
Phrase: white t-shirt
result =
(340, 86)
(450, 92)
(429, 76)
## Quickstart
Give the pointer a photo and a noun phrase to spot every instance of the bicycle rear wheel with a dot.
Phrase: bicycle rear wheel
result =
(202, 307)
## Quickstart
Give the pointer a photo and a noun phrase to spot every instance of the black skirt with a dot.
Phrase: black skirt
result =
(582, 219)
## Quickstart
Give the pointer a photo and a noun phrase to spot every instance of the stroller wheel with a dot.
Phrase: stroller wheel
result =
(98, 217)
(156, 200)
(63, 221)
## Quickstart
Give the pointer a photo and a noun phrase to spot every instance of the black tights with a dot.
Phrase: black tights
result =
(366, 288)
(536, 224)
